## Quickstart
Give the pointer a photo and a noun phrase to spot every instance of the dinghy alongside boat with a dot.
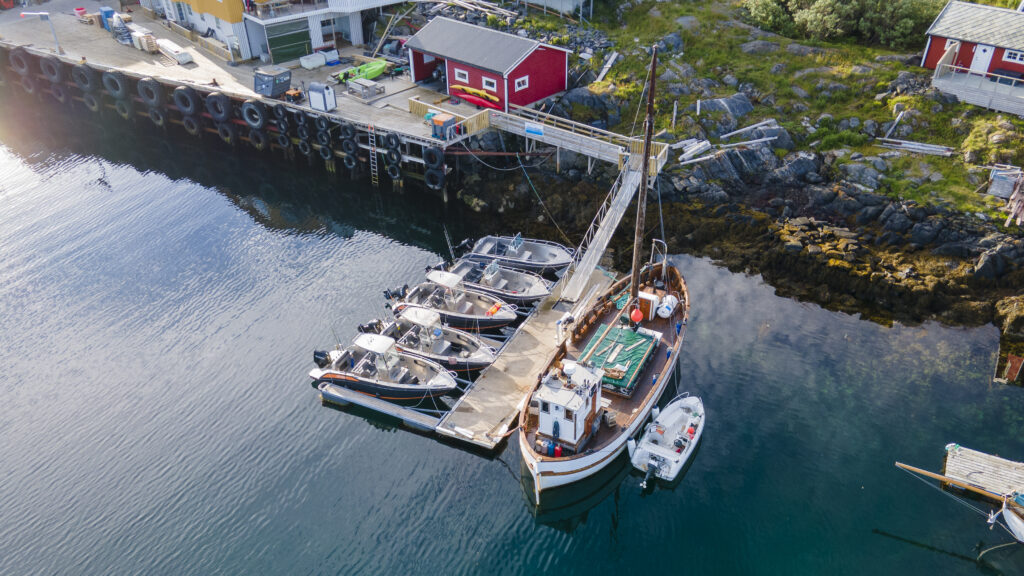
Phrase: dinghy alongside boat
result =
(670, 440)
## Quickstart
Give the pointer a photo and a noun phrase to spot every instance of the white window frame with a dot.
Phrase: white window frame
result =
(949, 42)
(522, 83)
(489, 83)
(1018, 57)
(460, 75)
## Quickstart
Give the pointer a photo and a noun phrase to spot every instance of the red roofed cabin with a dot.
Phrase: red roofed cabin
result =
(487, 67)
(977, 53)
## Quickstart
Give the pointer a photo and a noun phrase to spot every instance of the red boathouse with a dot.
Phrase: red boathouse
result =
(987, 39)
(487, 67)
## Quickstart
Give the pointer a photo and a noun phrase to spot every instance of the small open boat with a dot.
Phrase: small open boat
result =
(373, 365)
(476, 100)
(419, 332)
(475, 92)
(669, 441)
(368, 71)
(540, 256)
(459, 307)
(517, 287)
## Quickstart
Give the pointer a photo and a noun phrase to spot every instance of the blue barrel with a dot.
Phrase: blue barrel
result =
(106, 13)
(551, 448)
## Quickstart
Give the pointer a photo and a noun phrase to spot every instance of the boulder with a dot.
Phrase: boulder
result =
(737, 105)
(898, 222)
(671, 43)
(861, 174)
(801, 50)
(925, 232)
(688, 22)
(759, 47)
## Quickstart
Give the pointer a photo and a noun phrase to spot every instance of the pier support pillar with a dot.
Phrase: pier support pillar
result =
(355, 28)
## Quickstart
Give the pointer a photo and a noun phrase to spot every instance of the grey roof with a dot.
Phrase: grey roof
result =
(474, 45)
(980, 24)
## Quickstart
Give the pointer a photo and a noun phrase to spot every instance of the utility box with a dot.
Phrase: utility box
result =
(322, 97)
(272, 81)
(106, 13)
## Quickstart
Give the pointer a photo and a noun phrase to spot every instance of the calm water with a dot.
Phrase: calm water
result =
(159, 305)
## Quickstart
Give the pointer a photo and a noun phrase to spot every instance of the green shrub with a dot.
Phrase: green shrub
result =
(493, 21)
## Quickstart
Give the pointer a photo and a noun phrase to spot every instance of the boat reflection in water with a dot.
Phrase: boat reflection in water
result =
(566, 507)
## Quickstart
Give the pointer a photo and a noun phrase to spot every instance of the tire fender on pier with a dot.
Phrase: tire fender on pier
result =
(254, 114)
(394, 172)
(434, 179)
(218, 105)
(323, 138)
(284, 141)
(350, 162)
(304, 148)
(280, 112)
(186, 100)
(349, 147)
(322, 124)
(282, 125)
(85, 78)
(192, 125)
(326, 153)
(433, 157)
(392, 141)
(116, 84)
(300, 118)
(226, 131)
(303, 131)
(157, 116)
(28, 84)
(125, 108)
(19, 61)
(393, 157)
(91, 101)
(59, 93)
(348, 131)
(52, 69)
(258, 139)
(151, 92)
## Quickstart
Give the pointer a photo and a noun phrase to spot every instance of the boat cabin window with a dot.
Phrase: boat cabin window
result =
(569, 415)
(545, 407)
(387, 361)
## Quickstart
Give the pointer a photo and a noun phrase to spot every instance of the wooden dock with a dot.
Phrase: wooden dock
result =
(991, 474)
(486, 412)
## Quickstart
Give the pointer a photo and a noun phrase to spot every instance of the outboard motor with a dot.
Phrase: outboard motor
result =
(321, 358)
(372, 327)
(397, 293)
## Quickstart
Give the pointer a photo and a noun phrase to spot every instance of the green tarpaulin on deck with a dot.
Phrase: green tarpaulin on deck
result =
(620, 347)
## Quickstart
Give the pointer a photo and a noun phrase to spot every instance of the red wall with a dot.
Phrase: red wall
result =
(476, 77)
(546, 68)
(422, 69)
(998, 62)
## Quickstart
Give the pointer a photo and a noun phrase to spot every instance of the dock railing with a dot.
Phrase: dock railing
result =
(990, 90)
(466, 126)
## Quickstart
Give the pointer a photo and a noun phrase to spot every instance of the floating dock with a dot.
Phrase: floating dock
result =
(991, 474)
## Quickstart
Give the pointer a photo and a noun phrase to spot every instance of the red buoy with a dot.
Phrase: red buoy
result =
(636, 315)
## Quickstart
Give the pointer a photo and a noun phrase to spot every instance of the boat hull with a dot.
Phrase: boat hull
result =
(461, 365)
(382, 390)
(469, 323)
(519, 264)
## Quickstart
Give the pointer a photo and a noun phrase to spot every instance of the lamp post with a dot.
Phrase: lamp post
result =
(45, 17)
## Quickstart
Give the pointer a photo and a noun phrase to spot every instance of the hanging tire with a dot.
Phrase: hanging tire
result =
(192, 125)
(218, 105)
(124, 109)
(284, 141)
(350, 162)
(28, 84)
(85, 78)
(280, 112)
(186, 101)
(151, 92)
(52, 69)
(323, 138)
(19, 61)
(157, 117)
(393, 157)
(258, 139)
(326, 153)
(434, 179)
(300, 118)
(254, 114)
(303, 131)
(91, 101)
(392, 141)
(282, 126)
(322, 124)
(348, 131)
(304, 148)
(59, 93)
(349, 147)
(433, 157)
(394, 172)
(226, 131)
(115, 84)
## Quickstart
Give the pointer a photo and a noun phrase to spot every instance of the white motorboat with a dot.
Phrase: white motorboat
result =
(419, 332)
(669, 441)
(459, 307)
(517, 287)
(540, 256)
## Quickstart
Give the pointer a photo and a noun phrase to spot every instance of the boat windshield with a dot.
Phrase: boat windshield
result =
(387, 361)
(516, 243)
(491, 271)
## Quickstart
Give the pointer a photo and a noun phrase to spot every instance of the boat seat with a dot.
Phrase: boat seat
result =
(526, 255)
(365, 366)
(402, 375)
(442, 347)
(500, 284)
(465, 307)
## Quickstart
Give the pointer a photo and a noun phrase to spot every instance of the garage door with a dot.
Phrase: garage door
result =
(288, 41)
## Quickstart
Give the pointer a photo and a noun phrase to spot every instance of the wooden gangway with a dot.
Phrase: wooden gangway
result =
(996, 476)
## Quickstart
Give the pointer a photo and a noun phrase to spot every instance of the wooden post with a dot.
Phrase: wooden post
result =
(675, 108)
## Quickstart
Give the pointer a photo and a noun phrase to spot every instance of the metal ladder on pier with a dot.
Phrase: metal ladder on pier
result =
(373, 156)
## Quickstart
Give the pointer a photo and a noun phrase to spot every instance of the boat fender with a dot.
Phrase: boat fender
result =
(349, 147)
(348, 131)
(655, 412)
(156, 115)
(394, 172)
(323, 138)
(433, 157)
(300, 118)
(115, 84)
(304, 148)
(186, 100)
(258, 139)
(91, 101)
(392, 141)
(326, 153)
(322, 124)
(282, 125)
(52, 69)
(151, 92)
(303, 131)
(434, 179)
(59, 93)
(631, 446)
(350, 162)
(284, 141)
(254, 114)
(84, 77)
(219, 106)
(393, 156)
(19, 61)
(28, 85)
(280, 112)
(226, 131)
(125, 109)
(191, 125)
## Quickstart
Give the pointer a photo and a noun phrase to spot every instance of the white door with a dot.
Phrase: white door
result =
(982, 58)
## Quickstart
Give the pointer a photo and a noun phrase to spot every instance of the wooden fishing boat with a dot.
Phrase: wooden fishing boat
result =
(517, 287)
(419, 332)
(458, 306)
(540, 256)
(670, 440)
(373, 365)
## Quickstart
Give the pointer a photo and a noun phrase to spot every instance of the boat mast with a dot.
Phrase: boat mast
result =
(947, 479)
(641, 201)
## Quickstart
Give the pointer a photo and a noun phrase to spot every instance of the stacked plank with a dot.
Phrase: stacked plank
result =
(916, 147)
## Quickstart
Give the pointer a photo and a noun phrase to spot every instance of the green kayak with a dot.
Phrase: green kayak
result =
(369, 71)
